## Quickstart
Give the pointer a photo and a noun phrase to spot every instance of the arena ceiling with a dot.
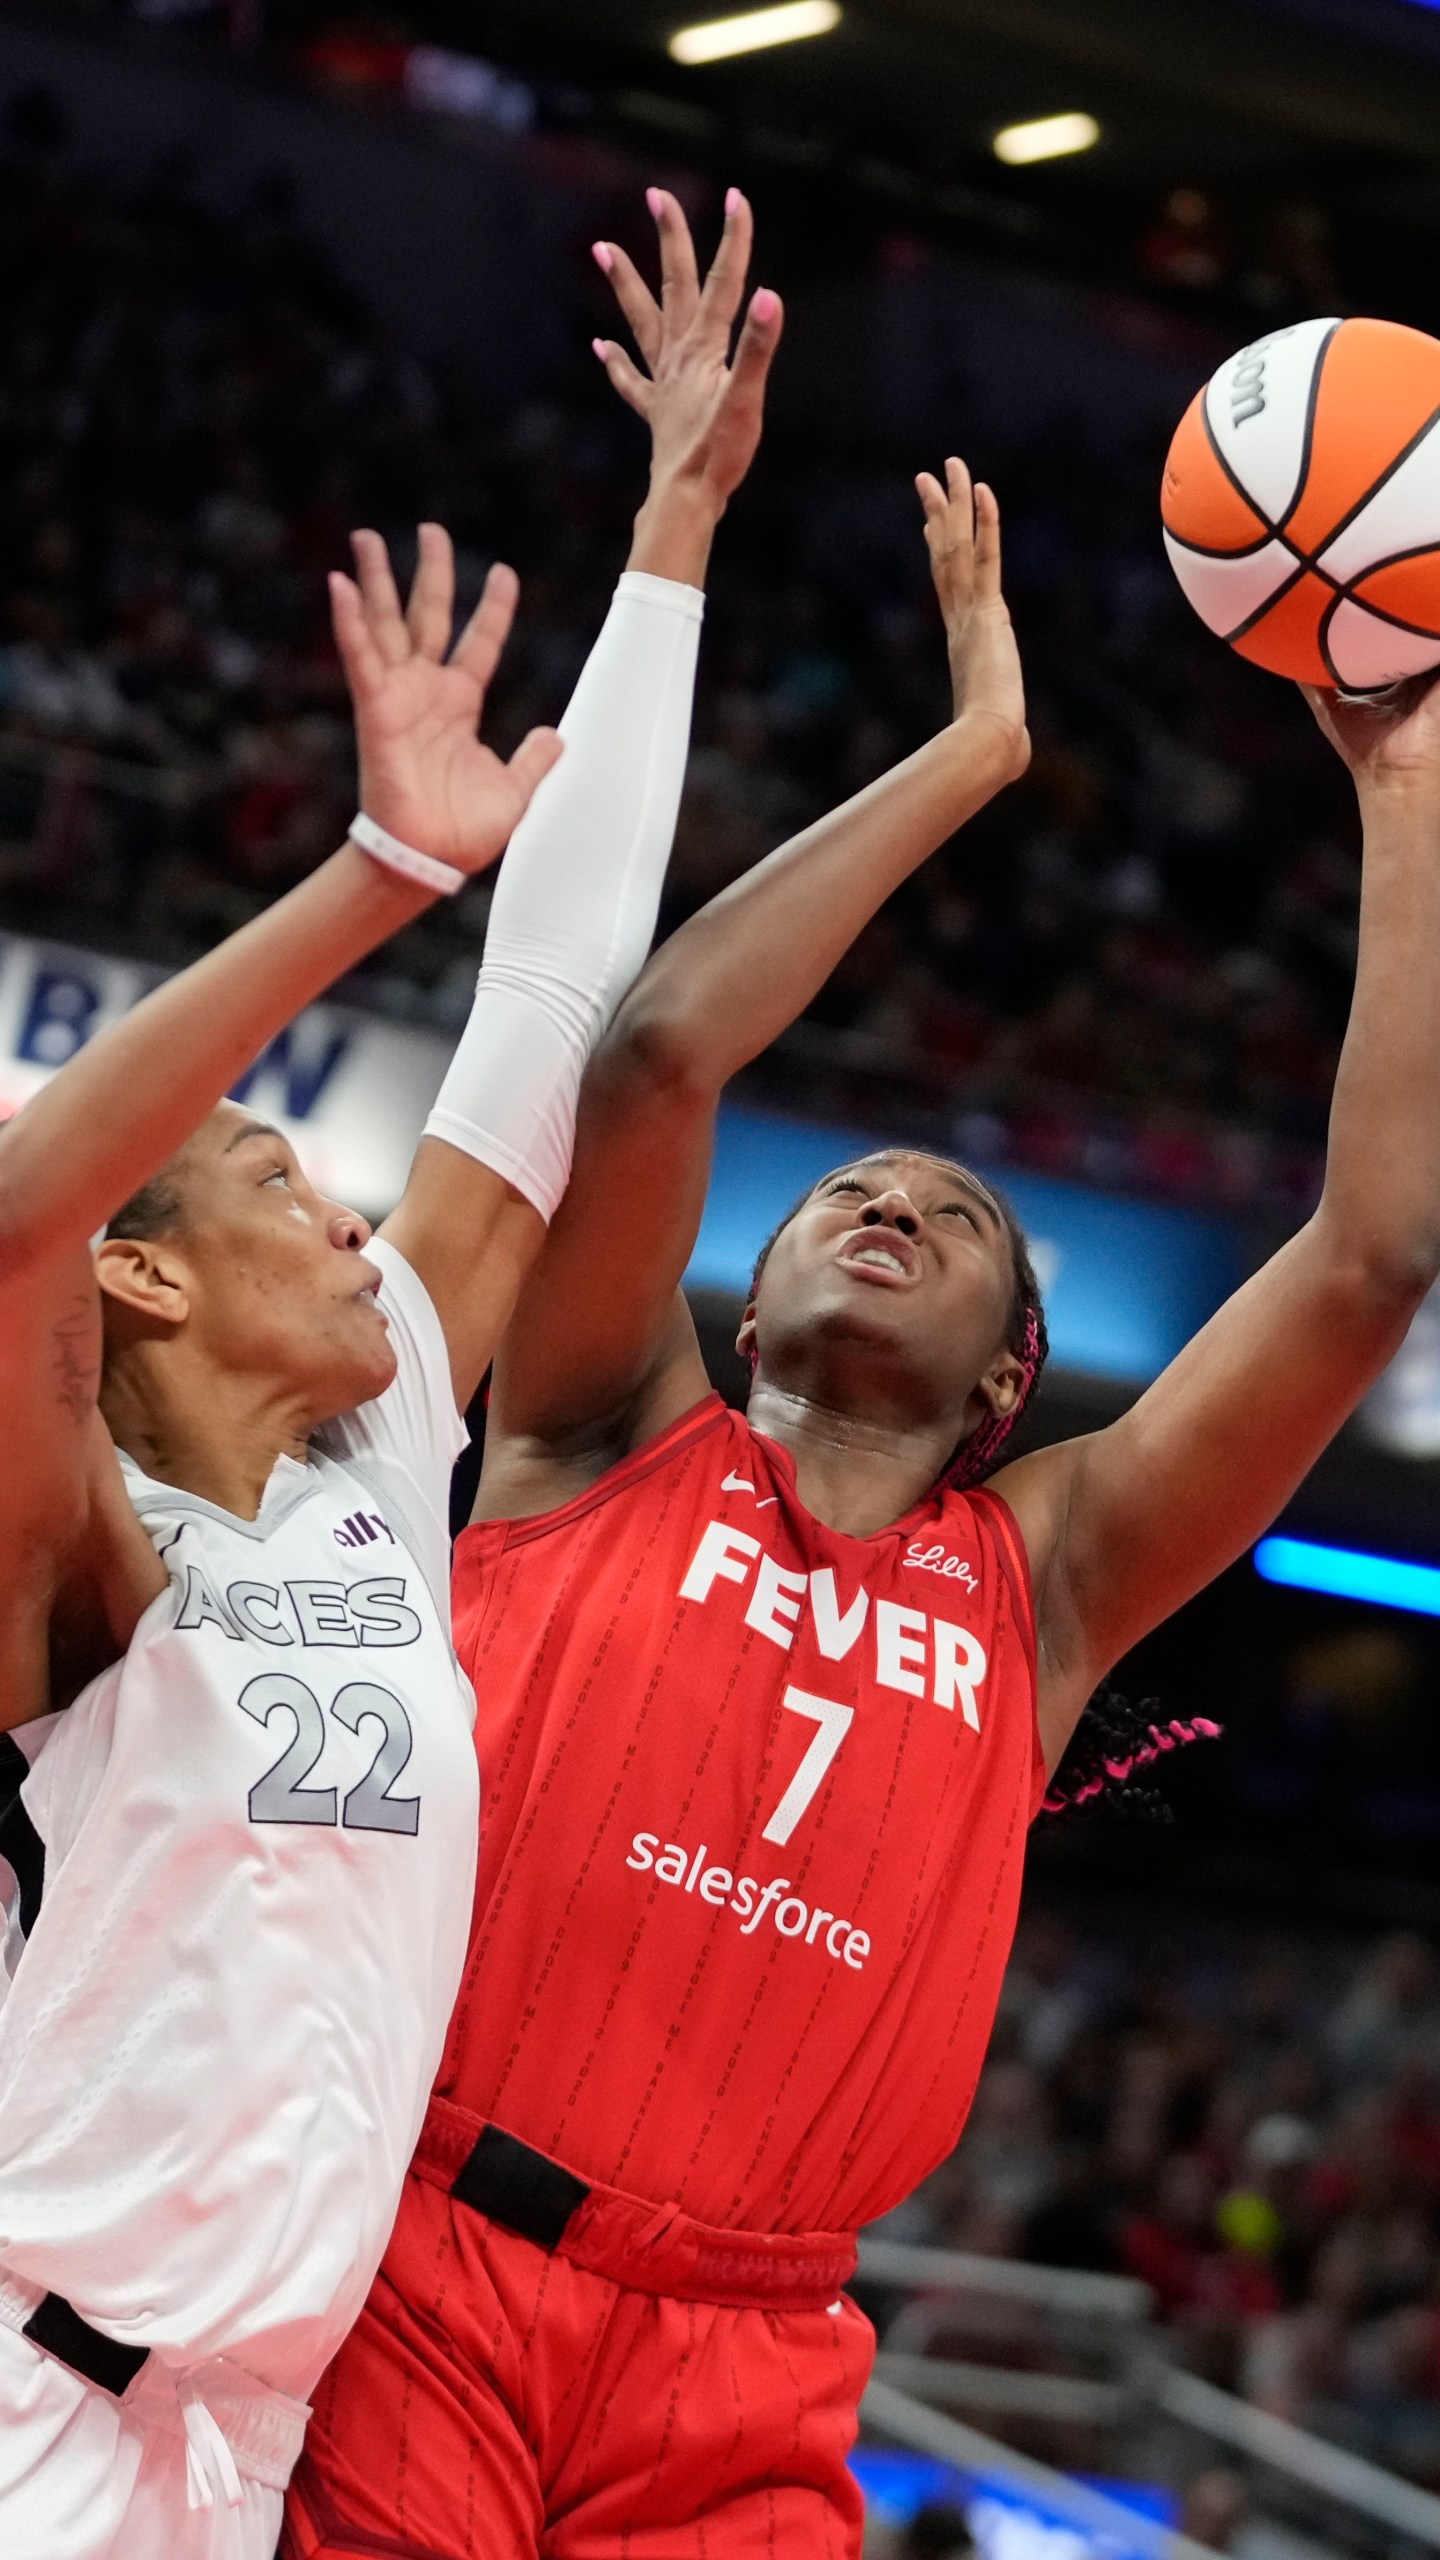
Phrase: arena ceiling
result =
(1233, 85)
(1336, 100)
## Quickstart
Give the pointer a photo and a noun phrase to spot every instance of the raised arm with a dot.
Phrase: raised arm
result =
(575, 907)
(116, 1113)
(602, 1353)
(1125, 1524)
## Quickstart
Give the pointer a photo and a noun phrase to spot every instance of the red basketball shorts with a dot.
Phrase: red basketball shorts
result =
(498, 2401)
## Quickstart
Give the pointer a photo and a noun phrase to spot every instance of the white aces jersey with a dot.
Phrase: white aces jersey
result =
(241, 1869)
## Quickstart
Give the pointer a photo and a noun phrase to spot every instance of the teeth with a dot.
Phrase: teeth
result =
(877, 1254)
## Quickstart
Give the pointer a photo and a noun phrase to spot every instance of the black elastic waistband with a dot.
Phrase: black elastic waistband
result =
(511, 2183)
(59, 2329)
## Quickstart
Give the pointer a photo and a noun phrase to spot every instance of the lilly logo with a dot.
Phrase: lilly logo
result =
(935, 1560)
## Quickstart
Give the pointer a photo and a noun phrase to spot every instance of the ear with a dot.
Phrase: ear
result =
(146, 1277)
(745, 1338)
(1001, 1386)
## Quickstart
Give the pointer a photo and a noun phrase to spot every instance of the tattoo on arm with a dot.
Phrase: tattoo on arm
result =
(74, 1362)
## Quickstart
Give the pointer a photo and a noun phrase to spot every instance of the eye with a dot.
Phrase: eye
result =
(846, 1182)
(958, 1209)
(278, 1173)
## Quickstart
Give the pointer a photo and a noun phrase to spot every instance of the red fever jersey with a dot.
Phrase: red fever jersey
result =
(755, 1798)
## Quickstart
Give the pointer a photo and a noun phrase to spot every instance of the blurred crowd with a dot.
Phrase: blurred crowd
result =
(1254, 2131)
(1135, 968)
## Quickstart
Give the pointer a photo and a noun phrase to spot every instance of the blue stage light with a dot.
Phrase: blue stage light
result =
(1388, 1581)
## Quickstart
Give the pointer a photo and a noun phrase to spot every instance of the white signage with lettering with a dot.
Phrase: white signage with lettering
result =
(352, 1094)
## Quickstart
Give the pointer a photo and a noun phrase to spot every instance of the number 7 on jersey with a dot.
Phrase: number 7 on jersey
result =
(833, 1722)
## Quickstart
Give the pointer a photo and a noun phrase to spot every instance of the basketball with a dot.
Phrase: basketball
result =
(1301, 503)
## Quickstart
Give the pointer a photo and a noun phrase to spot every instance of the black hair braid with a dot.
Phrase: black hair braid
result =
(1113, 1738)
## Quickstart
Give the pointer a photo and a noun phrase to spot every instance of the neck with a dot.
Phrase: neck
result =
(202, 1428)
(856, 1474)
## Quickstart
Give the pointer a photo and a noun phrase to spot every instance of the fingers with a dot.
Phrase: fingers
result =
(951, 528)
(679, 276)
(634, 296)
(681, 298)
(432, 593)
(725, 283)
(534, 758)
(959, 490)
(384, 619)
(756, 350)
(363, 664)
(949, 505)
(987, 545)
(932, 498)
(632, 385)
(478, 648)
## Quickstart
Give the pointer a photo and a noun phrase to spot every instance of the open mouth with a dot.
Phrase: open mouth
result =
(369, 1297)
(890, 1261)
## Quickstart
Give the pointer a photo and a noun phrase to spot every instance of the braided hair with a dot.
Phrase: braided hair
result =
(1114, 1736)
(1113, 1739)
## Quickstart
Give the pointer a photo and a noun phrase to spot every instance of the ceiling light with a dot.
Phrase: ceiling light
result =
(1047, 138)
(717, 37)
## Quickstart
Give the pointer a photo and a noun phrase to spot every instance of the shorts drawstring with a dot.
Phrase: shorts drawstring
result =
(210, 2467)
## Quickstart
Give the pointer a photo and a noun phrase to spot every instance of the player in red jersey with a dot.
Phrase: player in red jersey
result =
(767, 1704)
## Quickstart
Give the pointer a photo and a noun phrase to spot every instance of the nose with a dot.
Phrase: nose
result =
(892, 1209)
(348, 1229)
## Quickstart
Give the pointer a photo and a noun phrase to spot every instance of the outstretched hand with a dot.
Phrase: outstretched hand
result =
(962, 534)
(424, 773)
(1393, 740)
(703, 411)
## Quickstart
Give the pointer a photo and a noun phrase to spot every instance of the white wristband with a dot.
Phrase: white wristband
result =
(375, 840)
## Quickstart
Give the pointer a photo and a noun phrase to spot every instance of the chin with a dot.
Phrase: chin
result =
(378, 1374)
(851, 1319)
(358, 1380)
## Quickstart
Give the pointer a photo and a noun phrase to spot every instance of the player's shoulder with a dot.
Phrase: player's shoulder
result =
(981, 1519)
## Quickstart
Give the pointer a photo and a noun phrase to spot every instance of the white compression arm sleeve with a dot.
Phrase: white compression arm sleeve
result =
(578, 894)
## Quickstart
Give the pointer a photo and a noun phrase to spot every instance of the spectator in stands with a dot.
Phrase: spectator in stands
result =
(1257, 2138)
(1134, 971)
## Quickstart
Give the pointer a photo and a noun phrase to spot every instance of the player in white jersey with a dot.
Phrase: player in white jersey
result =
(241, 1859)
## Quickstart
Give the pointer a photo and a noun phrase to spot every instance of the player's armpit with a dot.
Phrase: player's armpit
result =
(1124, 1525)
(49, 1381)
(106, 1583)
(49, 1376)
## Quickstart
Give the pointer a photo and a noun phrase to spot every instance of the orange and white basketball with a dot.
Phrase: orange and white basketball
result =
(1301, 503)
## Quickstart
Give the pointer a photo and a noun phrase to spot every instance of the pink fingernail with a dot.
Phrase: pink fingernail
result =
(655, 201)
(598, 345)
(733, 200)
(765, 304)
(603, 255)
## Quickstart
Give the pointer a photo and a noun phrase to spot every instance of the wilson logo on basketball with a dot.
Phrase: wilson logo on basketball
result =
(1247, 387)
(1299, 503)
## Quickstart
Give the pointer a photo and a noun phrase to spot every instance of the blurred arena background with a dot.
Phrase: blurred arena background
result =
(272, 269)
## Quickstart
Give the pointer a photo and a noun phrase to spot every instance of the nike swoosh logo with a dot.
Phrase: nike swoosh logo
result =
(742, 1484)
